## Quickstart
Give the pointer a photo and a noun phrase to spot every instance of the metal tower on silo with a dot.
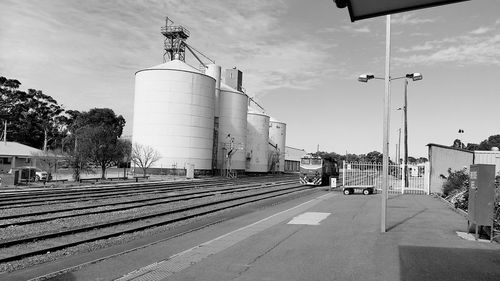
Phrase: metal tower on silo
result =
(175, 40)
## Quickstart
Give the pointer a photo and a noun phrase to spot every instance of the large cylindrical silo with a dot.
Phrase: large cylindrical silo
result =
(232, 135)
(174, 114)
(257, 142)
(277, 137)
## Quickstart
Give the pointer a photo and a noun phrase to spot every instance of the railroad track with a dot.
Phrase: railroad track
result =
(17, 249)
(122, 190)
(171, 198)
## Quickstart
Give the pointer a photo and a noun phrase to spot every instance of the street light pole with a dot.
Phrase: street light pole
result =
(387, 101)
(387, 96)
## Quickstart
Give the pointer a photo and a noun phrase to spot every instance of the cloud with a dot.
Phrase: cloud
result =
(420, 34)
(462, 50)
(106, 42)
(481, 30)
(479, 46)
(345, 28)
(350, 28)
(409, 19)
(254, 38)
(425, 47)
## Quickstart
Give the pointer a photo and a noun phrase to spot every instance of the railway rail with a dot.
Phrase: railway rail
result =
(122, 190)
(133, 204)
(16, 249)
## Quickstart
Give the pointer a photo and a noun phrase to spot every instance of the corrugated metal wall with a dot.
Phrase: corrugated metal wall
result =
(443, 158)
(488, 157)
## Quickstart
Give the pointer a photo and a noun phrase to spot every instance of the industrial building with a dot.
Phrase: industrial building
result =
(202, 117)
(292, 158)
(443, 158)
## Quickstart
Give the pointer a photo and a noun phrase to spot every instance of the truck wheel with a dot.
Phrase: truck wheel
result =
(347, 191)
(366, 191)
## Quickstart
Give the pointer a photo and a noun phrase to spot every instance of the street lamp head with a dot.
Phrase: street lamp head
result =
(415, 76)
(365, 77)
(340, 3)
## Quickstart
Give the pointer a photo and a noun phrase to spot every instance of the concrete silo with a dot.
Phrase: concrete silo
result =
(174, 113)
(257, 142)
(232, 134)
(277, 139)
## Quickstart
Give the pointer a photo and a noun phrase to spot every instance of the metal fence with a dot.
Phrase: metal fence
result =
(358, 174)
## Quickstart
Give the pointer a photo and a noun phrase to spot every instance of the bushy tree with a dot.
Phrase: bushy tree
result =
(32, 115)
(96, 135)
(374, 156)
(455, 180)
(492, 141)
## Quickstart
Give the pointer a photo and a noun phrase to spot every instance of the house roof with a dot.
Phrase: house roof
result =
(8, 149)
(449, 147)
(294, 154)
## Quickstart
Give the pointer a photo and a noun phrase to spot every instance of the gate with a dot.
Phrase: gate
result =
(358, 175)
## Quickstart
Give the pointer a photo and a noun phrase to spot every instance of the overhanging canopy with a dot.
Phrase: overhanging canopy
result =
(363, 9)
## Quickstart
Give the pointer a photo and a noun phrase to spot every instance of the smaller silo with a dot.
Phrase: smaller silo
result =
(257, 142)
(232, 133)
(277, 139)
(214, 71)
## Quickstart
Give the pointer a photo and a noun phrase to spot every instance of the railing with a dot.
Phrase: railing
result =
(175, 29)
(355, 174)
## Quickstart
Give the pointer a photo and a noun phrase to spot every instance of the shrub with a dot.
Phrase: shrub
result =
(456, 180)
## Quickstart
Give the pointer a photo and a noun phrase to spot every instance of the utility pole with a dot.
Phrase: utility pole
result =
(406, 132)
(399, 146)
(5, 132)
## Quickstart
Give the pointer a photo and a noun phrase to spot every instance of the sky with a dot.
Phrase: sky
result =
(300, 60)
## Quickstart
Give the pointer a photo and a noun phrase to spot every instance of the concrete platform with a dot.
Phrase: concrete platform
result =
(331, 237)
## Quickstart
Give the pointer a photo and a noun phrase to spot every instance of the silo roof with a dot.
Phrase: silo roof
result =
(224, 87)
(274, 120)
(253, 111)
(173, 65)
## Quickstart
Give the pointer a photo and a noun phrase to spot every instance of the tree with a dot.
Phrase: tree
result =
(412, 160)
(125, 146)
(374, 156)
(458, 144)
(32, 115)
(472, 146)
(492, 141)
(96, 136)
(48, 160)
(422, 160)
(78, 162)
(352, 158)
(144, 156)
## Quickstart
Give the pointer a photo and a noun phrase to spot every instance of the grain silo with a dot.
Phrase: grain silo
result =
(214, 71)
(232, 134)
(174, 114)
(277, 139)
(257, 142)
